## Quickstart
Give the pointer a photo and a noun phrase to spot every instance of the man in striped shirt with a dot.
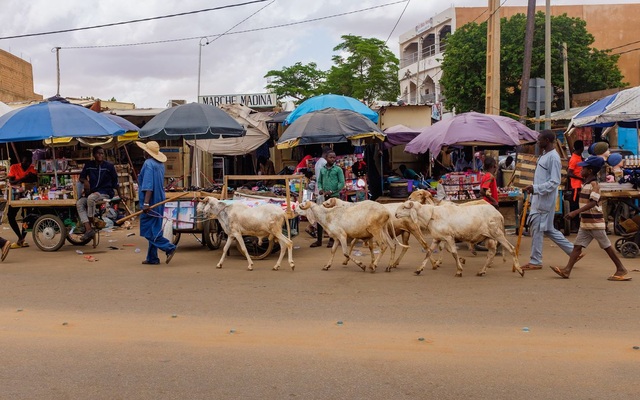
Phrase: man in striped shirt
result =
(592, 223)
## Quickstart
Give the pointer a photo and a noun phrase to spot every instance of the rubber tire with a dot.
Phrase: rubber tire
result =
(53, 222)
(629, 250)
(212, 234)
(74, 239)
(619, 243)
(256, 252)
(176, 238)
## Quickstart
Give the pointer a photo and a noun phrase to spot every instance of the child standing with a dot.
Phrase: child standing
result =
(592, 224)
(488, 184)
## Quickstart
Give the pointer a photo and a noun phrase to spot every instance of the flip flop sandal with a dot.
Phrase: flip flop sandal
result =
(618, 278)
(531, 267)
(559, 272)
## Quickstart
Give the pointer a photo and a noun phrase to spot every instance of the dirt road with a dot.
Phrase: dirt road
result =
(116, 329)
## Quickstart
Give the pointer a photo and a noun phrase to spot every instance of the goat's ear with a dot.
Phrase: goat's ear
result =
(414, 215)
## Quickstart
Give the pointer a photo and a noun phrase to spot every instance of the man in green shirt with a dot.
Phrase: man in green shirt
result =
(330, 183)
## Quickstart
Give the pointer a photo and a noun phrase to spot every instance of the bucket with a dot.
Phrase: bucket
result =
(399, 189)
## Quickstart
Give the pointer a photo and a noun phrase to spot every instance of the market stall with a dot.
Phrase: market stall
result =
(332, 126)
(50, 203)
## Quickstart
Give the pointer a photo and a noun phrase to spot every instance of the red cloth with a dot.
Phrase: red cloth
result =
(303, 163)
(16, 171)
(488, 182)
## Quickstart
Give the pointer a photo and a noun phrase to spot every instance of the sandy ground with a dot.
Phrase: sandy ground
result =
(116, 329)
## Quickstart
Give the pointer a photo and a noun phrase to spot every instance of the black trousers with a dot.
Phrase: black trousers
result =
(12, 213)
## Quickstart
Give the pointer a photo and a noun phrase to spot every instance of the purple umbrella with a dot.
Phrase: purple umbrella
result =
(399, 135)
(471, 129)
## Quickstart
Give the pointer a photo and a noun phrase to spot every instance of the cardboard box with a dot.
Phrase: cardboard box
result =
(174, 165)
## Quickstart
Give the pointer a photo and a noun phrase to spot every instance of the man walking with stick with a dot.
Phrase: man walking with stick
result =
(150, 192)
(544, 192)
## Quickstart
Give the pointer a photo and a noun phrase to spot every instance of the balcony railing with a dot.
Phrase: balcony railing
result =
(412, 58)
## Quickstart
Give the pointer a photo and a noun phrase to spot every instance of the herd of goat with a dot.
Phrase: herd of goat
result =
(384, 225)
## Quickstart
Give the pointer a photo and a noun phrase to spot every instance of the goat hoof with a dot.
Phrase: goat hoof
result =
(388, 269)
(293, 267)
(458, 274)
(220, 266)
(276, 268)
(250, 269)
(325, 268)
(474, 253)
(417, 272)
(481, 273)
(521, 272)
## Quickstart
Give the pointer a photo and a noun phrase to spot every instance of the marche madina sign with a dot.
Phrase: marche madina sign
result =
(255, 100)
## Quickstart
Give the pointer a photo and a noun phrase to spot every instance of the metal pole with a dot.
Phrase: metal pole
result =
(565, 68)
(547, 66)
(418, 72)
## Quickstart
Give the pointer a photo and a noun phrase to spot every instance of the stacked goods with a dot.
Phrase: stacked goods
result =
(525, 169)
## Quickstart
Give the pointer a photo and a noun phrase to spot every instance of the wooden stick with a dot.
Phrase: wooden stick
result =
(523, 219)
(135, 214)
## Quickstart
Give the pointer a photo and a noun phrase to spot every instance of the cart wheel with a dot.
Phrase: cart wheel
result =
(629, 250)
(75, 238)
(176, 238)
(567, 223)
(49, 232)
(256, 252)
(620, 213)
(619, 244)
(212, 234)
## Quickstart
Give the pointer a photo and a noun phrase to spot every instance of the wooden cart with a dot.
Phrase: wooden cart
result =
(188, 221)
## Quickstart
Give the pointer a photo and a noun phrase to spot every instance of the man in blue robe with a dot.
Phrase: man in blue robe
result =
(150, 192)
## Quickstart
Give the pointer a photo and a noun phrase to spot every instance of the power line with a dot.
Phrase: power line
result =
(230, 29)
(239, 32)
(624, 45)
(398, 21)
(132, 21)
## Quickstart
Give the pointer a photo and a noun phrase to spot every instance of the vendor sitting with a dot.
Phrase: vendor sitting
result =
(408, 173)
(19, 173)
(100, 181)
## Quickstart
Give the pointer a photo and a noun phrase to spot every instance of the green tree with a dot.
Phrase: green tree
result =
(366, 69)
(464, 64)
(297, 81)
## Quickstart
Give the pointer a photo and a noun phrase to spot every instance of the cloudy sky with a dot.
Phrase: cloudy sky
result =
(150, 75)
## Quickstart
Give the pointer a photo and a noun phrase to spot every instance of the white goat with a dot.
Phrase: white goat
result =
(366, 220)
(448, 223)
(237, 219)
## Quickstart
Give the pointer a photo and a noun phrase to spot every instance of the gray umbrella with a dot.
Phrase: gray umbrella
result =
(191, 121)
(329, 126)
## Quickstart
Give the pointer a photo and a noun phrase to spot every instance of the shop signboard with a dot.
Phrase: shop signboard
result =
(252, 100)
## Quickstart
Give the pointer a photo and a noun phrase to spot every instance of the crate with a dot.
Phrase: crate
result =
(631, 225)
(525, 169)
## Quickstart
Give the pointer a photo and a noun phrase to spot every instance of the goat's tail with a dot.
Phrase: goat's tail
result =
(392, 229)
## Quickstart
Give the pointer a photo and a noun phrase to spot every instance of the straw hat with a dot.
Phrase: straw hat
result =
(153, 149)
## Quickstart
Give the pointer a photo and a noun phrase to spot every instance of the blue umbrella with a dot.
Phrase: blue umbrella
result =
(54, 118)
(331, 101)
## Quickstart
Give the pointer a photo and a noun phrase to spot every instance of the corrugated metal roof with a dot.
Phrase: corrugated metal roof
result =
(137, 112)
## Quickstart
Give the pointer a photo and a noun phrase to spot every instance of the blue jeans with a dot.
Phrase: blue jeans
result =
(151, 229)
(536, 239)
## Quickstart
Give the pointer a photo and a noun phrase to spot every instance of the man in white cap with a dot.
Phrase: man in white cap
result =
(150, 192)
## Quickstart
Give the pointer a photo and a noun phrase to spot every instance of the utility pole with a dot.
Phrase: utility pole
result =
(492, 91)
(547, 66)
(57, 50)
(418, 72)
(565, 69)
(526, 65)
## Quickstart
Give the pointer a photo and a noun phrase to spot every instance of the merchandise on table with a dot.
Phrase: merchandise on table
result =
(462, 185)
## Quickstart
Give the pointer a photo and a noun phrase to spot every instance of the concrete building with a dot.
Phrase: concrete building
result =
(16, 79)
(613, 26)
